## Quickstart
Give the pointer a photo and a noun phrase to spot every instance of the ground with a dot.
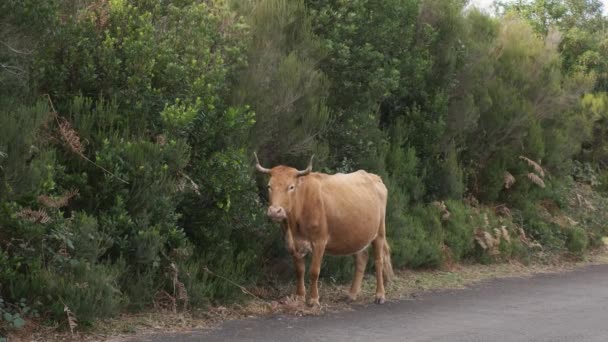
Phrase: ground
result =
(402, 294)
(567, 306)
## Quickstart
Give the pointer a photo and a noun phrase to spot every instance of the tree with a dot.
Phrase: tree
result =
(282, 83)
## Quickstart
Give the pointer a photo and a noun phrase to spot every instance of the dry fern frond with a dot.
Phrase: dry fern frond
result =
(164, 301)
(69, 136)
(448, 256)
(185, 180)
(536, 180)
(580, 200)
(63, 251)
(439, 205)
(445, 214)
(502, 234)
(59, 202)
(182, 294)
(36, 216)
(487, 242)
(502, 210)
(481, 240)
(571, 221)
(161, 140)
(524, 239)
(508, 180)
(97, 12)
(179, 289)
(293, 305)
(102, 12)
(72, 321)
(261, 292)
(537, 168)
(471, 201)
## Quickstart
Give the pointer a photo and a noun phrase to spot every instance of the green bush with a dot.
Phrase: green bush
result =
(417, 241)
(576, 240)
(548, 234)
(142, 134)
(341, 269)
(89, 291)
(458, 230)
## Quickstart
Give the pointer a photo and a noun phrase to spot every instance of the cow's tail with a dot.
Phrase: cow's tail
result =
(388, 265)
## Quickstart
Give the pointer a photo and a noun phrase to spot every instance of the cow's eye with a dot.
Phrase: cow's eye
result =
(291, 187)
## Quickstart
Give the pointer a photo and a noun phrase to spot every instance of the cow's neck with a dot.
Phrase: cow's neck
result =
(307, 203)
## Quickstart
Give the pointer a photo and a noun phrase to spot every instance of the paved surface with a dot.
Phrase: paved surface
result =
(568, 307)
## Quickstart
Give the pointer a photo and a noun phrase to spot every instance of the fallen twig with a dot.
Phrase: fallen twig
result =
(243, 289)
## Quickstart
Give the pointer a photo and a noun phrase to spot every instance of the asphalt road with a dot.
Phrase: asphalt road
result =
(570, 307)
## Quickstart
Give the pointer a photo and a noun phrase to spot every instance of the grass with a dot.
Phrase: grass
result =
(406, 285)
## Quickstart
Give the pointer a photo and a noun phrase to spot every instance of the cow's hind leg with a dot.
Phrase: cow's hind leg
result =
(360, 263)
(300, 267)
(379, 263)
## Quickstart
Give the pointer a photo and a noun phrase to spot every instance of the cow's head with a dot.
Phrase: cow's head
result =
(282, 188)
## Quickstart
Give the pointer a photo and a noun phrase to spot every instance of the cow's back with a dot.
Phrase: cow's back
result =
(355, 206)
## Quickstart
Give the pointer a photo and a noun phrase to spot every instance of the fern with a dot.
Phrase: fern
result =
(537, 168)
(72, 321)
(59, 202)
(536, 180)
(179, 289)
(36, 216)
(69, 135)
(508, 180)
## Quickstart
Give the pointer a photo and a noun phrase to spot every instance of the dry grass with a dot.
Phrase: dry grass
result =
(405, 285)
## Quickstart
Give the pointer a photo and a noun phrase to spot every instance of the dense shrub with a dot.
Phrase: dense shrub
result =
(417, 243)
(137, 131)
(459, 229)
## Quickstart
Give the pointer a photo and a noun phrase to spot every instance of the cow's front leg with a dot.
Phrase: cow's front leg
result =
(318, 248)
(300, 266)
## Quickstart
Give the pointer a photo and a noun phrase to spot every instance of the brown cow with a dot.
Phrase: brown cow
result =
(341, 214)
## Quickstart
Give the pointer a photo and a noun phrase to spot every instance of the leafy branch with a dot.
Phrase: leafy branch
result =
(71, 138)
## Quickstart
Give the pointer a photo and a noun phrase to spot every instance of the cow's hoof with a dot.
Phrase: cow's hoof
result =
(380, 300)
(299, 298)
(350, 298)
(314, 302)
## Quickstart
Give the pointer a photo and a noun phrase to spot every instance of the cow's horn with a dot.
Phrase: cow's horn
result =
(308, 169)
(258, 166)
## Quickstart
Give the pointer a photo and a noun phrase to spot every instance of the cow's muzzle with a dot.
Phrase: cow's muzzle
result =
(276, 214)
